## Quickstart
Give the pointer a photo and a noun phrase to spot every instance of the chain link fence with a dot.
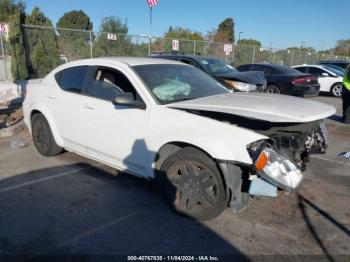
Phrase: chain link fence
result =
(36, 50)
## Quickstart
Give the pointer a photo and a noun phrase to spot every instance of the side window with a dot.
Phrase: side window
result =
(316, 71)
(302, 69)
(108, 83)
(243, 68)
(72, 79)
(265, 69)
(187, 61)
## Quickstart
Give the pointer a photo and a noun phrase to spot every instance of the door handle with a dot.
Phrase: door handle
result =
(50, 96)
(89, 106)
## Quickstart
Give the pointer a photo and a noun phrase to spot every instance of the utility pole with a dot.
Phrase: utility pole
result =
(271, 50)
(3, 55)
(239, 36)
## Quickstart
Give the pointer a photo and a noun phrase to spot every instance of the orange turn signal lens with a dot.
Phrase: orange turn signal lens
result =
(261, 161)
(230, 83)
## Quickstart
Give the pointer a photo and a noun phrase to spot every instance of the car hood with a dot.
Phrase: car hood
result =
(266, 107)
(251, 77)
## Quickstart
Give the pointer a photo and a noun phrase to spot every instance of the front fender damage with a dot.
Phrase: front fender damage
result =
(236, 191)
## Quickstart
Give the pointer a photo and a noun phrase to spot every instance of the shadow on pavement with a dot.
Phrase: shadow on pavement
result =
(303, 203)
(81, 209)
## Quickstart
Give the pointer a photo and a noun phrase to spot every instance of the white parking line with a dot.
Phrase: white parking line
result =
(32, 182)
(98, 229)
(330, 160)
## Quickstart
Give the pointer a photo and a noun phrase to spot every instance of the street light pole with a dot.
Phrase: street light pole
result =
(239, 36)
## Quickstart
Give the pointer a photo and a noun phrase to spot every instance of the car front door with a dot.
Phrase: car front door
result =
(117, 133)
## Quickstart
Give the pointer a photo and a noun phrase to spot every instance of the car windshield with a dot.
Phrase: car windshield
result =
(216, 66)
(335, 71)
(173, 83)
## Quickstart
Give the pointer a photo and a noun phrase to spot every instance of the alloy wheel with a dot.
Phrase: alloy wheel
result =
(196, 188)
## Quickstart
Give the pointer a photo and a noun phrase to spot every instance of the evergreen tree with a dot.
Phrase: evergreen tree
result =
(75, 44)
(225, 31)
(18, 57)
(119, 47)
(41, 45)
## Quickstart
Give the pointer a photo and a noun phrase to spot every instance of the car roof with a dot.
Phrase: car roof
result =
(306, 65)
(131, 61)
(195, 57)
(267, 65)
(335, 61)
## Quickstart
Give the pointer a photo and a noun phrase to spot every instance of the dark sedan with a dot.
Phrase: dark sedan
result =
(285, 80)
(223, 72)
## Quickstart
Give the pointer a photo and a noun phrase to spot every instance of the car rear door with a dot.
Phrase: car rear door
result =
(116, 132)
(65, 100)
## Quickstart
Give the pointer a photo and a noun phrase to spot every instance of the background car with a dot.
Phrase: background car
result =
(342, 64)
(285, 80)
(330, 79)
(339, 68)
(223, 72)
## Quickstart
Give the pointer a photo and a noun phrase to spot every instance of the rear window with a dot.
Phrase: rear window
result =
(72, 79)
(279, 69)
(301, 69)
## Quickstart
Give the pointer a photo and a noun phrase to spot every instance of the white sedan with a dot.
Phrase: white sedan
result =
(208, 148)
(330, 79)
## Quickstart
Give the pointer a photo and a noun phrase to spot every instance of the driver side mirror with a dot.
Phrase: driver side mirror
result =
(325, 74)
(127, 99)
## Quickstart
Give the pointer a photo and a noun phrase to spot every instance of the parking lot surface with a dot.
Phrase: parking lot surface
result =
(71, 205)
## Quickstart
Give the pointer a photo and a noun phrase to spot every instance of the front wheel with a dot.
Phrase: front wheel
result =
(337, 89)
(272, 89)
(192, 184)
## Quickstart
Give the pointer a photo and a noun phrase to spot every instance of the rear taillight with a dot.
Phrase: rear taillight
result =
(304, 80)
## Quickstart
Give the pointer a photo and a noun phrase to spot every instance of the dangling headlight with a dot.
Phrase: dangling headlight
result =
(278, 169)
(241, 86)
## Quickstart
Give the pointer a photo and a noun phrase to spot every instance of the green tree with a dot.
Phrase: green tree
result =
(190, 41)
(41, 44)
(342, 48)
(41, 59)
(9, 8)
(18, 57)
(106, 47)
(249, 42)
(225, 32)
(75, 44)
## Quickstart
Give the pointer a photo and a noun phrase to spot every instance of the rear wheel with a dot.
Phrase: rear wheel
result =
(337, 89)
(273, 89)
(42, 136)
(192, 184)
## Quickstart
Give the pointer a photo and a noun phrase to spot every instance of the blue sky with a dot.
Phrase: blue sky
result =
(282, 23)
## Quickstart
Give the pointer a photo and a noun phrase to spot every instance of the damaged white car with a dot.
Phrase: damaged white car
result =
(207, 147)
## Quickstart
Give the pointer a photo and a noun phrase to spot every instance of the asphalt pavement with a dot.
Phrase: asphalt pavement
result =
(69, 205)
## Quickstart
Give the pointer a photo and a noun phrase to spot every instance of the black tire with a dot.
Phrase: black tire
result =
(336, 89)
(272, 89)
(42, 136)
(192, 184)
